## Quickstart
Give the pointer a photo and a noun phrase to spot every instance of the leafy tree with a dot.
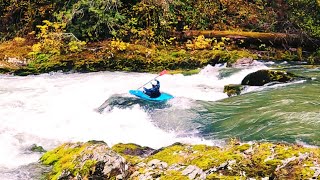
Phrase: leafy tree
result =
(92, 19)
(53, 41)
(305, 14)
(21, 17)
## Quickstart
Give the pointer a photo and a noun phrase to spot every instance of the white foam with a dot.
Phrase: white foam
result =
(51, 109)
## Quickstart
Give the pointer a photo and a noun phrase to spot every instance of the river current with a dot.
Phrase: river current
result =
(50, 109)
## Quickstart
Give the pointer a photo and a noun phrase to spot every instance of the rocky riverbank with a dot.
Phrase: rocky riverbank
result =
(258, 160)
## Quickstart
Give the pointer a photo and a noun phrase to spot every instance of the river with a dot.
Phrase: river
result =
(50, 109)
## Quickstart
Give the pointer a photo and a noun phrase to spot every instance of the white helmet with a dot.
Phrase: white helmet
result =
(154, 82)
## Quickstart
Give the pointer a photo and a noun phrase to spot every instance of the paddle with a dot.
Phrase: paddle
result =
(161, 73)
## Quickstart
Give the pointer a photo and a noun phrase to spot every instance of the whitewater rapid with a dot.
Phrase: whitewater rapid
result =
(50, 109)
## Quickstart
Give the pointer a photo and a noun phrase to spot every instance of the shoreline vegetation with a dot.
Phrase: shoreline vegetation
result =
(22, 56)
(150, 36)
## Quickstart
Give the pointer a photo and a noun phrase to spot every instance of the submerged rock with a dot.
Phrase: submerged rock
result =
(262, 77)
(36, 148)
(233, 89)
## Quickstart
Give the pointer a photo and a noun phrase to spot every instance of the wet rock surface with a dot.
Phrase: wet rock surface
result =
(182, 161)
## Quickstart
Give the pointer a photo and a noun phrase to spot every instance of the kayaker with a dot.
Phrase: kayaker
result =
(153, 92)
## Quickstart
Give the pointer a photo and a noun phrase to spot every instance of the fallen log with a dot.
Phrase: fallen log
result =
(275, 39)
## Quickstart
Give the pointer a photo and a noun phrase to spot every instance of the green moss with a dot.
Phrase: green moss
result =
(173, 175)
(128, 152)
(215, 176)
(306, 173)
(87, 167)
(202, 147)
(121, 148)
(273, 162)
(35, 148)
(262, 162)
(233, 89)
(171, 154)
(256, 166)
(64, 158)
(206, 157)
(284, 151)
(295, 170)
(242, 147)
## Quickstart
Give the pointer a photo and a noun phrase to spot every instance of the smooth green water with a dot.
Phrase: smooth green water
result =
(289, 113)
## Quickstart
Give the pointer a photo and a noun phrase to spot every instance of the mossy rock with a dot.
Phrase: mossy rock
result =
(233, 89)
(25, 71)
(262, 77)
(91, 160)
(36, 148)
(4, 70)
(132, 149)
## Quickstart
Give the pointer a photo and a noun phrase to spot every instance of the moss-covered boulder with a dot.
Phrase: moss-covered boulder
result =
(262, 77)
(94, 160)
(25, 71)
(4, 70)
(132, 149)
(91, 160)
(233, 89)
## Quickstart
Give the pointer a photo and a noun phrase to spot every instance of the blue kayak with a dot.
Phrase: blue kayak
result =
(140, 94)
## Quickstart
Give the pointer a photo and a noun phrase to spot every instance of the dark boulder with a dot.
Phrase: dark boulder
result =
(262, 77)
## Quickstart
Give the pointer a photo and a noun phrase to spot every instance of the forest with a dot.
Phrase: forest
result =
(143, 35)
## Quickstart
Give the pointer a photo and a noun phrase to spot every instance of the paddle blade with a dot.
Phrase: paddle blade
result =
(163, 72)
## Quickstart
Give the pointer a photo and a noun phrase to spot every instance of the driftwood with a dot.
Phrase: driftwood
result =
(276, 39)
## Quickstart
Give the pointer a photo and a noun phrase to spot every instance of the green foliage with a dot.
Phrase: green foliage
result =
(119, 45)
(199, 43)
(147, 21)
(18, 47)
(50, 39)
(53, 42)
(93, 19)
(76, 46)
(315, 57)
(151, 21)
(305, 14)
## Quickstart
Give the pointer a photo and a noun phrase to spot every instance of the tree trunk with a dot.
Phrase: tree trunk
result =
(274, 39)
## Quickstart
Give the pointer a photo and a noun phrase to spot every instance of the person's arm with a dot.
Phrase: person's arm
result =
(145, 89)
(158, 84)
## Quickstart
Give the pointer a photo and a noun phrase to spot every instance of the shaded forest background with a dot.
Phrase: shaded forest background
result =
(93, 20)
(56, 27)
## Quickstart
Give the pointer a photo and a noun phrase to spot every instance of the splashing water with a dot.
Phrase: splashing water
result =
(51, 109)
